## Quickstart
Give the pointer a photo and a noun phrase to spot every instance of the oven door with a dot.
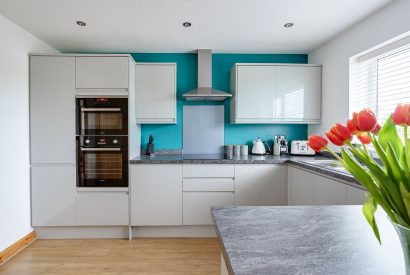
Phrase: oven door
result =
(102, 167)
(103, 121)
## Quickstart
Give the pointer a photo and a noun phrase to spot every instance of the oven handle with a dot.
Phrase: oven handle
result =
(100, 109)
(100, 149)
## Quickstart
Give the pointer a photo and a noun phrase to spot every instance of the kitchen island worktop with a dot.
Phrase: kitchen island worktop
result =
(305, 240)
(298, 161)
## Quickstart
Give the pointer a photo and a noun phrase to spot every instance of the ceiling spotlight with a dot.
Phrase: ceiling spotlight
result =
(288, 25)
(187, 24)
(81, 23)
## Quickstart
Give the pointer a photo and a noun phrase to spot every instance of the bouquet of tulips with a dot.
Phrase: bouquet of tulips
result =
(388, 184)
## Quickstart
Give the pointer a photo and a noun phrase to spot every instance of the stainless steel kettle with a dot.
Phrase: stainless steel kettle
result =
(259, 148)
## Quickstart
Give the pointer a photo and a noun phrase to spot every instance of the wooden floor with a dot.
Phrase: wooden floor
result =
(139, 256)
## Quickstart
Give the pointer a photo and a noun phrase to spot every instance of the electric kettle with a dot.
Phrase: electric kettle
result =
(259, 148)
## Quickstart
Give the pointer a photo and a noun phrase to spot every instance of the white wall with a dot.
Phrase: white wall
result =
(384, 25)
(16, 43)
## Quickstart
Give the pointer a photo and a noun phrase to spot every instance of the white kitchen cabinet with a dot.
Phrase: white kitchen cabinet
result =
(355, 196)
(155, 93)
(208, 170)
(53, 196)
(260, 184)
(102, 208)
(276, 93)
(306, 188)
(52, 110)
(298, 93)
(156, 194)
(101, 72)
(197, 206)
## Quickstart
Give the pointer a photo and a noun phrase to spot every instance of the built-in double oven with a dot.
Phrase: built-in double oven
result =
(102, 141)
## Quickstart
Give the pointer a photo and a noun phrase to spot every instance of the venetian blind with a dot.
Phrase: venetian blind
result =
(381, 82)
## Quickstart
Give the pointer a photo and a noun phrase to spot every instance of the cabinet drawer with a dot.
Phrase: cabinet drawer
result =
(102, 208)
(197, 206)
(208, 170)
(204, 184)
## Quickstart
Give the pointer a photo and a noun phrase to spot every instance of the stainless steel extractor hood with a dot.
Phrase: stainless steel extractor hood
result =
(205, 92)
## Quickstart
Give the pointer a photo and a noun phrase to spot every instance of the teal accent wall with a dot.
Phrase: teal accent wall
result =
(169, 136)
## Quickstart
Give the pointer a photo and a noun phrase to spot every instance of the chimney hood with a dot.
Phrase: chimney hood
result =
(205, 92)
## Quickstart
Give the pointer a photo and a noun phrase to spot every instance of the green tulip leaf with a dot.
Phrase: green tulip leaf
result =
(369, 208)
(388, 134)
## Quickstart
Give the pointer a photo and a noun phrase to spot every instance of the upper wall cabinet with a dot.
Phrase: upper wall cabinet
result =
(52, 109)
(155, 93)
(101, 72)
(276, 93)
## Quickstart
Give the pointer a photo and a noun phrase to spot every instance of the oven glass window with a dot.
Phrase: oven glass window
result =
(102, 121)
(102, 169)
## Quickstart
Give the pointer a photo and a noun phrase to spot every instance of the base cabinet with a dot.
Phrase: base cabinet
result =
(102, 208)
(197, 206)
(355, 196)
(156, 194)
(53, 196)
(260, 184)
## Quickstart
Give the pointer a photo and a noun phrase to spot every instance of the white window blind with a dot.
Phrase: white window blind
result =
(380, 83)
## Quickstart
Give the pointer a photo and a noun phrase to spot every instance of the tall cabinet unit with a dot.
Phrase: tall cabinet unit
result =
(155, 93)
(52, 141)
(276, 93)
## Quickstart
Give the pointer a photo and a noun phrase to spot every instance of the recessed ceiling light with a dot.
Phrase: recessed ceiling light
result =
(81, 23)
(288, 25)
(187, 24)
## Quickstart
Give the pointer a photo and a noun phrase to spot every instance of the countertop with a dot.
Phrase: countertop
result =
(298, 161)
(306, 240)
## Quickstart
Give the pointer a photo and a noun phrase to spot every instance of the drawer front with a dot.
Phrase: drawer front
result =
(208, 170)
(197, 206)
(102, 208)
(211, 184)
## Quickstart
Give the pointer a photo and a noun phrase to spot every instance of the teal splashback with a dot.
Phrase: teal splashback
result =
(169, 136)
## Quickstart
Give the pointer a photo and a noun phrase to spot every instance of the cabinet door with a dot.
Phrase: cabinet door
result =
(355, 196)
(255, 93)
(52, 109)
(300, 189)
(101, 72)
(53, 196)
(298, 93)
(155, 93)
(156, 194)
(197, 206)
(260, 184)
(327, 191)
(103, 208)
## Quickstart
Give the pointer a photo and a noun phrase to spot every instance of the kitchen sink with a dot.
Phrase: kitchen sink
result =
(327, 163)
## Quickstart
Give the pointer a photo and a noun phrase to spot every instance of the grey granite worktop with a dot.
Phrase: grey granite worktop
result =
(298, 161)
(306, 240)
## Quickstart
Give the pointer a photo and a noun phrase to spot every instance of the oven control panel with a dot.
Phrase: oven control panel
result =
(103, 141)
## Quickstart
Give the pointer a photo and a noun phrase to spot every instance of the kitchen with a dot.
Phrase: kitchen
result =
(158, 151)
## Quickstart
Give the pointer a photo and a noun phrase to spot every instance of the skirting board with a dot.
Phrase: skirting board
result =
(204, 231)
(15, 248)
(83, 232)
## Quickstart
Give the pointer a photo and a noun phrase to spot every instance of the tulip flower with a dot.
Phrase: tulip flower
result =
(339, 135)
(364, 138)
(351, 125)
(401, 115)
(376, 129)
(317, 143)
(365, 120)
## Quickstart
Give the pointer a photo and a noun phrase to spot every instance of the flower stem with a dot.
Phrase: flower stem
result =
(334, 154)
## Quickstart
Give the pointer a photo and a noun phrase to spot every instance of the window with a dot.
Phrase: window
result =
(380, 82)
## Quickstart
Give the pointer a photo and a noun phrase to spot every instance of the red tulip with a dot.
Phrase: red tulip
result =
(401, 115)
(351, 125)
(365, 120)
(376, 129)
(339, 135)
(364, 138)
(317, 143)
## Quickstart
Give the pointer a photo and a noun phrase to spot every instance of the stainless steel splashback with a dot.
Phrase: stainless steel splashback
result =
(203, 129)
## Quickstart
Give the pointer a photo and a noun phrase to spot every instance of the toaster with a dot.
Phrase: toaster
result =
(301, 147)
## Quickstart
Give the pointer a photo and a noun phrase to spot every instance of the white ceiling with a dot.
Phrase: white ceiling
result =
(226, 26)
